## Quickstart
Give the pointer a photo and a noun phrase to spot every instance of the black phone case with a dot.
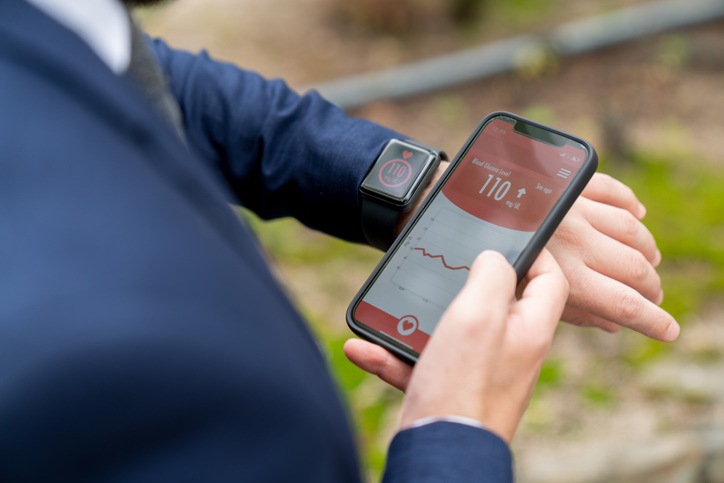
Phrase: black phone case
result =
(526, 258)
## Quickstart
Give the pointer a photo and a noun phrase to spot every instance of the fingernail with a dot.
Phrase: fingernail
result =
(642, 210)
(660, 298)
(657, 258)
(673, 332)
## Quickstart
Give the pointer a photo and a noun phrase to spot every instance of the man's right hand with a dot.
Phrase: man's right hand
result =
(484, 357)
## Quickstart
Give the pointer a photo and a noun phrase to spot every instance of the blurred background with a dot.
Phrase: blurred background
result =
(608, 407)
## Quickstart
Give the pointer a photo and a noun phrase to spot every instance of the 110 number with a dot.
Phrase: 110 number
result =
(397, 170)
(502, 189)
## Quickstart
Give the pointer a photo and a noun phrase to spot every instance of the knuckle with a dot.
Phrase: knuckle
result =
(626, 191)
(629, 225)
(539, 347)
(637, 267)
(571, 232)
(477, 331)
(605, 180)
(577, 278)
(621, 189)
(560, 280)
(656, 282)
(628, 305)
(609, 184)
(616, 188)
(536, 351)
(471, 323)
(566, 285)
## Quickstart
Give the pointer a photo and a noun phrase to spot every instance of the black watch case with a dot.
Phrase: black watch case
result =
(398, 173)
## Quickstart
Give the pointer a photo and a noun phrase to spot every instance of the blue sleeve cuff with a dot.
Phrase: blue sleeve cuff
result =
(448, 452)
(281, 154)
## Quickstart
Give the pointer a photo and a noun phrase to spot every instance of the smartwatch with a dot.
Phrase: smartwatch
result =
(392, 187)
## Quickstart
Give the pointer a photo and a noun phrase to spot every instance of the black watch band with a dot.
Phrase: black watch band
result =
(378, 223)
(384, 199)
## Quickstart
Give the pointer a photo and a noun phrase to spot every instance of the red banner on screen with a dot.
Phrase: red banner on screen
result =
(391, 326)
(511, 180)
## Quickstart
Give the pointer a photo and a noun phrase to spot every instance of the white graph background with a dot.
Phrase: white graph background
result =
(423, 276)
(437, 260)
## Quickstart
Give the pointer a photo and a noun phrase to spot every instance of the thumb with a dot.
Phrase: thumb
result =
(378, 361)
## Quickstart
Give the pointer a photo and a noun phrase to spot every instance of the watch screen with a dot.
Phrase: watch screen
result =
(397, 170)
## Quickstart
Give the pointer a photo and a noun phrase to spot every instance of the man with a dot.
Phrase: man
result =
(142, 336)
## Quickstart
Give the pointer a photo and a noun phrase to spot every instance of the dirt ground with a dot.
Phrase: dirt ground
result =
(658, 95)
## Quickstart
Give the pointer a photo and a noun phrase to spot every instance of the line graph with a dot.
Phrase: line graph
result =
(432, 263)
(437, 257)
(442, 260)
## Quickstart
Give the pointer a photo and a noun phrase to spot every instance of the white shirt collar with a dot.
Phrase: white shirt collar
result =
(103, 24)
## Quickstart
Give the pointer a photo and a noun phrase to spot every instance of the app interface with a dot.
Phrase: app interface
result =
(497, 197)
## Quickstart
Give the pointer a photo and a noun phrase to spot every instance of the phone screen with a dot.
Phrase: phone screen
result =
(499, 193)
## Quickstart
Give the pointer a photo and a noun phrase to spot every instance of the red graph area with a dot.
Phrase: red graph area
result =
(442, 259)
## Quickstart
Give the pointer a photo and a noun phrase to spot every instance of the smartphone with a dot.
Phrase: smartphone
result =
(507, 189)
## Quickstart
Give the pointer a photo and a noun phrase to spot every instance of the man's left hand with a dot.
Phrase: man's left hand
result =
(609, 258)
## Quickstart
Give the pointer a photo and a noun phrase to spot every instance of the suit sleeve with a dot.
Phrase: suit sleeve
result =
(450, 453)
(281, 153)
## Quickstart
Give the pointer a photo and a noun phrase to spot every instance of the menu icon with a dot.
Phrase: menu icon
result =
(564, 173)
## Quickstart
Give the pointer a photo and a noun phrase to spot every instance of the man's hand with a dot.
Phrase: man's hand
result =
(485, 355)
(609, 259)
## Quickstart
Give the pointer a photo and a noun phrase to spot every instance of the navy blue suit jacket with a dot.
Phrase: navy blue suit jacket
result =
(142, 336)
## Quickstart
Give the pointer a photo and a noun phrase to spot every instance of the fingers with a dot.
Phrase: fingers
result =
(543, 298)
(629, 268)
(605, 189)
(378, 361)
(607, 298)
(482, 361)
(584, 319)
(486, 295)
(610, 241)
(626, 265)
(622, 226)
(546, 266)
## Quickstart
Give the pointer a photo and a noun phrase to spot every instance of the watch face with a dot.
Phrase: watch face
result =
(397, 171)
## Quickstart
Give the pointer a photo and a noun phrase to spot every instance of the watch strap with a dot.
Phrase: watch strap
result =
(378, 223)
